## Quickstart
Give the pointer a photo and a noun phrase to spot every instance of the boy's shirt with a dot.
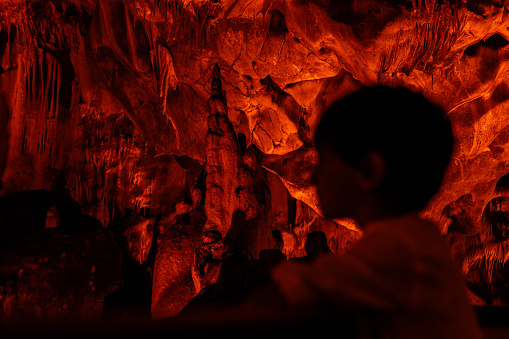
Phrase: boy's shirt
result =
(399, 279)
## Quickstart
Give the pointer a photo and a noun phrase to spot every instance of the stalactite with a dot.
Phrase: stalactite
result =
(54, 89)
(46, 63)
(43, 79)
(162, 63)
(425, 41)
(57, 89)
(426, 46)
(40, 61)
(131, 39)
(33, 64)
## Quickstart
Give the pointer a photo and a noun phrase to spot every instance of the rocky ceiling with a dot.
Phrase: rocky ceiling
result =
(113, 101)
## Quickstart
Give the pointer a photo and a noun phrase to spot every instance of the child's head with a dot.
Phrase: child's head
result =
(388, 144)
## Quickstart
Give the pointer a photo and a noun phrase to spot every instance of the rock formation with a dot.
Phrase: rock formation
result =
(173, 285)
(53, 274)
(112, 100)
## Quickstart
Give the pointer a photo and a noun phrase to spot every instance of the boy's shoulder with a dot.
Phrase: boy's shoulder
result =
(408, 225)
(408, 234)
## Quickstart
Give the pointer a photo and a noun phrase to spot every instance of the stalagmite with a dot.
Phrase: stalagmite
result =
(173, 285)
(223, 159)
(113, 100)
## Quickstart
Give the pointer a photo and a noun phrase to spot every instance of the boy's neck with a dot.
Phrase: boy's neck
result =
(373, 210)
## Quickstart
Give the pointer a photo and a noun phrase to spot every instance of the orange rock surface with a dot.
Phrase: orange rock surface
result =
(112, 99)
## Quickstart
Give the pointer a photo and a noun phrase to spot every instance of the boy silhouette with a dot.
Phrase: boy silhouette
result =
(383, 152)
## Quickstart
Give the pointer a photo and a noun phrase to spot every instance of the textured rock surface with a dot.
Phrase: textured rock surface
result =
(54, 274)
(112, 100)
(173, 285)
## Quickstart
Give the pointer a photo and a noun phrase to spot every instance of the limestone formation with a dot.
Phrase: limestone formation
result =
(209, 257)
(238, 197)
(173, 285)
(112, 100)
(223, 160)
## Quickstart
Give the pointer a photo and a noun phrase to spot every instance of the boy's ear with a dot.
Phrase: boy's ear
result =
(373, 170)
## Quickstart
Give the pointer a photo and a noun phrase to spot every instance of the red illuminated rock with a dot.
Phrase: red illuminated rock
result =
(237, 199)
(173, 285)
(108, 98)
(209, 258)
(223, 160)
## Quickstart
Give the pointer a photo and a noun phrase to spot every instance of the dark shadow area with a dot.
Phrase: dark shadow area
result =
(317, 324)
(502, 184)
(495, 42)
(133, 299)
(57, 263)
(285, 326)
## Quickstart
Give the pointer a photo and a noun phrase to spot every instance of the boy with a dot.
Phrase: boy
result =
(383, 152)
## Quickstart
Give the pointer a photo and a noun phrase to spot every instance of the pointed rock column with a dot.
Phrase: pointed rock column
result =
(173, 285)
(223, 159)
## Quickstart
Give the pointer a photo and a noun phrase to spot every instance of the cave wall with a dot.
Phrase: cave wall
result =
(113, 100)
